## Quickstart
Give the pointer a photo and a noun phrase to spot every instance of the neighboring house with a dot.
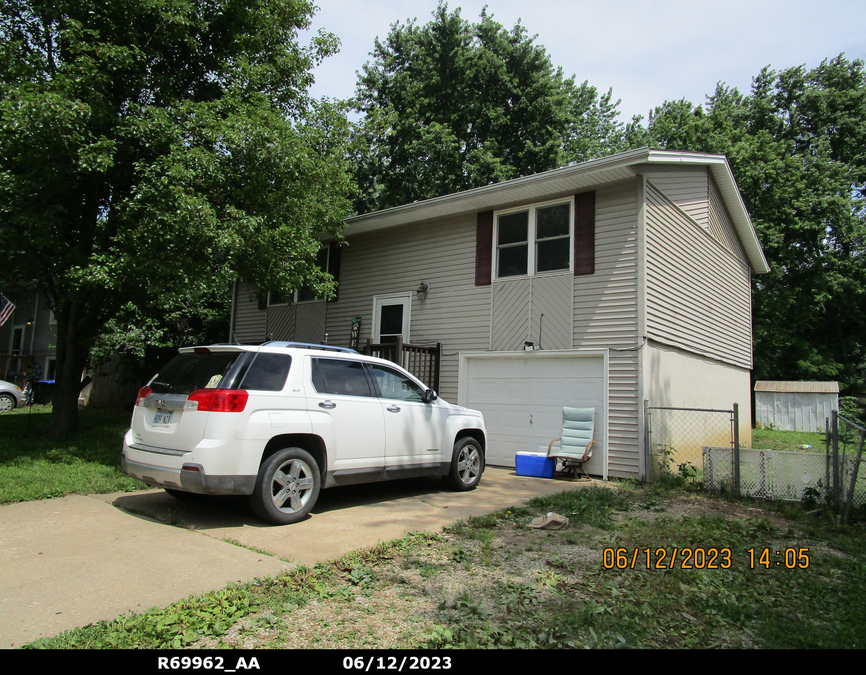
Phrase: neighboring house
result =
(795, 406)
(630, 276)
(28, 336)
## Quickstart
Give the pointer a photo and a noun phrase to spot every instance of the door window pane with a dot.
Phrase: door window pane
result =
(395, 385)
(391, 320)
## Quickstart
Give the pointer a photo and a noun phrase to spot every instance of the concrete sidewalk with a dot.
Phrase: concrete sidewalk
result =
(73, 561)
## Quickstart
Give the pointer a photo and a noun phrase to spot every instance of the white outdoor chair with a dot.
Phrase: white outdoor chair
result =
(575, 443)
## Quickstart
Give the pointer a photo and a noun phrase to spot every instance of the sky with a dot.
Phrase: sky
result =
(648, 52)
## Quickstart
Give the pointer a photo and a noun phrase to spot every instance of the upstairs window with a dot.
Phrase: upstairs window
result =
(533, 240)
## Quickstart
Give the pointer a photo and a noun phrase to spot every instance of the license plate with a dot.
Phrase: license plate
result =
(162, 418)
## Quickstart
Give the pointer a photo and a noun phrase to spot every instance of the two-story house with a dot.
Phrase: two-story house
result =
(603, 284)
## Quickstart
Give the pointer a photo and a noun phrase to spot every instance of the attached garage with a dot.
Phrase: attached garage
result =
(521, 395)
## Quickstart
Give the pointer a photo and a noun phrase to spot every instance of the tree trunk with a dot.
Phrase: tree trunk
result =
(72, 353)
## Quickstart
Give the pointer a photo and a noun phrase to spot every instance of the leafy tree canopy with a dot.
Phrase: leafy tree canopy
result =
(797, 146)
(452, 105)
(149, 146)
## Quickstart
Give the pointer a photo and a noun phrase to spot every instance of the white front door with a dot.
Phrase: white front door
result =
(391, 317)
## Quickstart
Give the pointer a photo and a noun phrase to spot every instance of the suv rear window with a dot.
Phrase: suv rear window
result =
(185, 373)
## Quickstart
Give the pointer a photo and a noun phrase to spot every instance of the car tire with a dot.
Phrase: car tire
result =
(467, 465)
(7, 403)
(287, 487)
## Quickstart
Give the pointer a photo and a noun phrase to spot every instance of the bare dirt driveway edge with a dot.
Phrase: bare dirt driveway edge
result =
(77, 560)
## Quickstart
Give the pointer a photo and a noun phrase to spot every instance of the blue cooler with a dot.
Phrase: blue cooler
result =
(536, 464)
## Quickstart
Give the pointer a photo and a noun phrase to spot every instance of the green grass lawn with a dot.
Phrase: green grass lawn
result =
(34, 466)
(773, 439)
(492, 582)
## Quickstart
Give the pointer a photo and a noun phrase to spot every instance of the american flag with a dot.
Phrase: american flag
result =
(6, 309)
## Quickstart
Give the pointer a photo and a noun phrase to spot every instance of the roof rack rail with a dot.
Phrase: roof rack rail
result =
(309, 345)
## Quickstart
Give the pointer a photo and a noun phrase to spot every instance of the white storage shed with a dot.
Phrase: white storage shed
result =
(795, 406)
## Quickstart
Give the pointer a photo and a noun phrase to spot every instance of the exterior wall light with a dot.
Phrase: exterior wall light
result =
(422, 292)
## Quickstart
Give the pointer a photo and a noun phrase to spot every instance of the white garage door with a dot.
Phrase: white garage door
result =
(522, 395)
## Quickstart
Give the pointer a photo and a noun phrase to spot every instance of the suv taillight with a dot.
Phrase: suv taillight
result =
(144, 392)
(219, 400)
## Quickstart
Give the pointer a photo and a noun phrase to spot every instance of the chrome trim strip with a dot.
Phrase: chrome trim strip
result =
(158, 451)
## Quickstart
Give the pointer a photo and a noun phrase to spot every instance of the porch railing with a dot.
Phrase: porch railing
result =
(422, 361)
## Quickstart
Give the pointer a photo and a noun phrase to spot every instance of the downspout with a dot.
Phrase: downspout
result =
(232, 319)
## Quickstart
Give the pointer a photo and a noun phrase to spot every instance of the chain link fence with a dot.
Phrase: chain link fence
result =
(704, 444)
(675, 437)
(766, 474)
(847, 483)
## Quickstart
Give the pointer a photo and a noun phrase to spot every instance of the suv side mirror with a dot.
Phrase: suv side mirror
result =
(429, 396)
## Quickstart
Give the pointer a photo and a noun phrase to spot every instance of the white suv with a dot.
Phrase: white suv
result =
(281, 421)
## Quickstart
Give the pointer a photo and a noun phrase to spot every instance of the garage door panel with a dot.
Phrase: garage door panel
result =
(552, 392)
(522, 400)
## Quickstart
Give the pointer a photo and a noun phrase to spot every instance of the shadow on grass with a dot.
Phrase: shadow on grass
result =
(35, 466)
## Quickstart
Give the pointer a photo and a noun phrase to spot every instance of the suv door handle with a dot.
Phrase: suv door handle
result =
(393, 408)
(327, 404)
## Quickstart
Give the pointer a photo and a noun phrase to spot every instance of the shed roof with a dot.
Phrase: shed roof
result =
(802, 387)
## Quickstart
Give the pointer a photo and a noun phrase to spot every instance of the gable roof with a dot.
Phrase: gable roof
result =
(801, 387)
(572, 178)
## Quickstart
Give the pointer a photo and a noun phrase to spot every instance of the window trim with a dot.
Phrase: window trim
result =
(532, 239)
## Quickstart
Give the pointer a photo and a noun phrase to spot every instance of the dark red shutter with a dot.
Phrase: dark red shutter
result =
(483, 248)
(584, 233)
(334, 267)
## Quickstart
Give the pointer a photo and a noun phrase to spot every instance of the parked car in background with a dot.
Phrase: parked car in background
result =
(281, 421)
(11, 396)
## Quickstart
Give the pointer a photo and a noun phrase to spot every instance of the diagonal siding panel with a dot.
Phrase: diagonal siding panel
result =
(310, 322)
(281, 323)
(510, 314)
(553, 296)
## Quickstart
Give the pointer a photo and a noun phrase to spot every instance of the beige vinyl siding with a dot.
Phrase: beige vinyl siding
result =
(686, 186)
(698, 292)
(442, 254)
(250, 324)
(721, 226)
(606, 316)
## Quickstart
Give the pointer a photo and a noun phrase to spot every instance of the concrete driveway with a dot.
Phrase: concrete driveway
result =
(73, 561)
